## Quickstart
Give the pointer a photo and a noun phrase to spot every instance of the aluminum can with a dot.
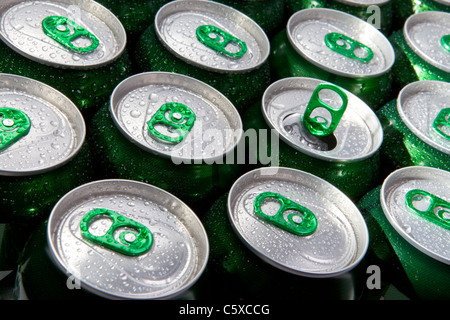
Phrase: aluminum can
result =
(76, 47)
(311, 47)
(134, 15)
(348, 157)
(43, 152)
(285, 234)
(405, 8)
(376, 12)
(183, 40)
(268, 14)
(171, 131)
(407, 217)
(422, 49)
(116, 239)
(416, 127)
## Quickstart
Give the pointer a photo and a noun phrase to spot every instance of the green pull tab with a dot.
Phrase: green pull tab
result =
(175, 116)
(306, 223)
(443, 120)
(445, 42)
(65, 32)
(437, 211)
(218, 40)
(319, 126)
(14, 125)
(129, 243)
(347, 46)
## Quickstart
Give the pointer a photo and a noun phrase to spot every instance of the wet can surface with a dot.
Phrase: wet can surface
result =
(268, 14)
(78, 48)
(376, 12)
(347, 155)
(417, 127)
(118, 239)
(286, 231)
(411, 208)
(337, 47)
(185, 39)
(422, 48)
(43, 153)
(403, 9)
(171, 131)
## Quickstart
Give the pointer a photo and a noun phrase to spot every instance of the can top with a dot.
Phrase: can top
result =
(62, 33)
(174, 247)
(364, 2)
(427, 34)
(446, 2)
(40, 128)
(357, 136)
(176, 116)
(422, 106)
(212, 36)
(340, 43)
(259, 205)
(412, 198)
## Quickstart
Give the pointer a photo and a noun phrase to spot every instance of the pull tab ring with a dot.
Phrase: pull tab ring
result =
(14, 125)
(437, 212)
(307, 225)
(445, 42)
(347, 46)
(443, 120)
(319, 126)
(217, 39)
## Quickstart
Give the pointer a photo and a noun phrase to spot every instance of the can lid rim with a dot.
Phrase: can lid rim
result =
(81, 125)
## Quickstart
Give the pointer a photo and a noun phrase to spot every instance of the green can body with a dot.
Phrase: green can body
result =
(117, 157)
(402, 148)
(404, 8)
(409, 67)
(286, 62)
(378, 15)
(268, 14)
(414, 273)
(242, 275)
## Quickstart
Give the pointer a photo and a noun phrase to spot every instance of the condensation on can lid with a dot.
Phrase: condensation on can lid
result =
(22, 29)
(177, 23)
(339, 242)
(424, 235)
(423, 33)
(419, 105)
(308, 28)
(175, 261)
(217, 128)
(358, 135)
(57, 130)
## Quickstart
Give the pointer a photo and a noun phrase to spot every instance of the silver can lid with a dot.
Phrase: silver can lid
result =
(176, 117)
(428, 35)
(340, 43)
(165, 268)
(62, 33)
(40, 128)
(212, 36)
(424, 108)
(445, 2)
(336, 246)
(363, 2)
(357, 136)
(411, 197)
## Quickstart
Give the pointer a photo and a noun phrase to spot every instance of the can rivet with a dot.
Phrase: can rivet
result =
(320, 126)
(218, 40)
(437, 210)
(347, 46)
(130, 243)
(443, 121)
(300, 221)
(180, 117)
(14, 126)
(66, 31)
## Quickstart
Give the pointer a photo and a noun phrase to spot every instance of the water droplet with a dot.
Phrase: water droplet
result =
(135, 113)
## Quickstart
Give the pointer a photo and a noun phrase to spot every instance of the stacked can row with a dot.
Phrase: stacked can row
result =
(153, 146)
